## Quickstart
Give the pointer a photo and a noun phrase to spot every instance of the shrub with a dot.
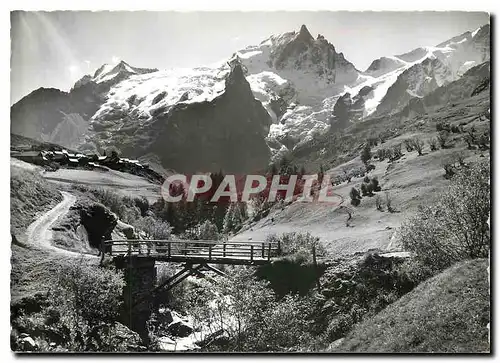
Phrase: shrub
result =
(297, 243)
(442, 126)
(378, 203)
(143, 204)
(130, 210)
(456, 228)
(443, 138)
(381, 154)
(252, 316)
(389, 154)
(388, 203)
(449, 170)
(366, 154)
(234, 218)
(85, 298)
(372, 141)
(355, 196)
(409, 145)
(418, 145)
(206, 231)
(375, 184)
(367, 189)
(366, 179)
(433, 144)
(154, 228)
(469, 139)
(459, 157)
(396, 152)
(484, 141)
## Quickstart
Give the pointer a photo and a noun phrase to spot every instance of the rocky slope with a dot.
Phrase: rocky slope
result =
(474, 81)
(224, 128)
(395, 80)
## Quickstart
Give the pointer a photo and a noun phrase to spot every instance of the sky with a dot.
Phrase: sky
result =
(55, 49)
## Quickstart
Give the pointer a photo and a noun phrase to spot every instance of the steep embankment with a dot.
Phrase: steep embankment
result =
(30, 194)
(35, 206)
(447, 313)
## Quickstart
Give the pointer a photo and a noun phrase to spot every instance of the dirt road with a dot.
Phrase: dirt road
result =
(39, 233)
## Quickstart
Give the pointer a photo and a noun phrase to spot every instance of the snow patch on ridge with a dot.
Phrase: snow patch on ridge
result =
(147, 92)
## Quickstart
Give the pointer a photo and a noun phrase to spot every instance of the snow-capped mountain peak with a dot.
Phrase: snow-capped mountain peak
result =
(396, 79)
(305, 85)
(109, 71)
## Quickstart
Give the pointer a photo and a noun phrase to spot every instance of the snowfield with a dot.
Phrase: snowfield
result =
(147, 92)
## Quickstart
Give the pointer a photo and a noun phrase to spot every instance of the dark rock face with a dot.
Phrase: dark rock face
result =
(418, 80)
(226, 133)
(48, 114)
(318, 55)
(98, 221)
(349, 108)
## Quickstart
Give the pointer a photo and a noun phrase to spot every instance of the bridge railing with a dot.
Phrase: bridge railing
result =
(208, 250)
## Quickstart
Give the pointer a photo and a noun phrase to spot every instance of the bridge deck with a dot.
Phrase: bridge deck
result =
(218, 252)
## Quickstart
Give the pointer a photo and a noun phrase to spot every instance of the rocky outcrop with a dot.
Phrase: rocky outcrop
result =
(83, 228)
(226, 133)
(124, 231)
(455, 91)
(303, 52)
(98, 221)
(384, 65)
(349, 109)
(417, 81)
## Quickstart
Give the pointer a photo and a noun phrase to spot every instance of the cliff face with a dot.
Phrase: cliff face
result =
(226, 133)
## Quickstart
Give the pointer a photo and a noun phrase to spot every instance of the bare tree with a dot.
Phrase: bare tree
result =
(433, 144)
(418, 145)
(388, 203)
(378, 203)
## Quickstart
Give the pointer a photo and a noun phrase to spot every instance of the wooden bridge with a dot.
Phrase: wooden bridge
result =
(137, 259)
(195, 257)
(213, 252)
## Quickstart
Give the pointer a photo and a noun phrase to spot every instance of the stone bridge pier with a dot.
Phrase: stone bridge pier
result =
(140, 280)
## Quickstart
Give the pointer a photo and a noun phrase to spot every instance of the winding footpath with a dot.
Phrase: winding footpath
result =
(39, 233)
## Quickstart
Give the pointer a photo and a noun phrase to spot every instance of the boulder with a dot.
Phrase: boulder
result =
(165, 316)
(180, 328)
(128, 339)
(27, 344)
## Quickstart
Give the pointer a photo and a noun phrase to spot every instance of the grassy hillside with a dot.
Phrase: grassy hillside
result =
(29, 195)
(447, 313)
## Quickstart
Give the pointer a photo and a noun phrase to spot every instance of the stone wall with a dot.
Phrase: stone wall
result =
(140, 278)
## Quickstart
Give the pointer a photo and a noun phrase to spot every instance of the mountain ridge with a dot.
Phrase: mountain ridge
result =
(305, 86)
